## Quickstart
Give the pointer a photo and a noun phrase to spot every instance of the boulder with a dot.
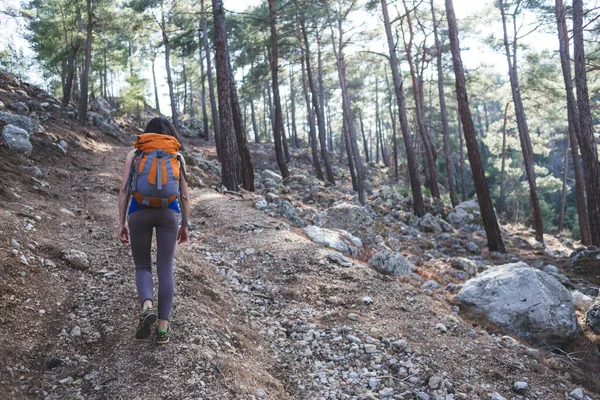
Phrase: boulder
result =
(102, 107)
(586, 262)
(76, 259)
(525, 301)
(17, 139)
(268, 174)
(290, 212)
(28, 124)
(429, 224)
(110, 127)
(582, 301)
(592, 317)
(459, 217)
(464, 264)
(391, 263)
(20, 107)
(339, 240)
(352, 218)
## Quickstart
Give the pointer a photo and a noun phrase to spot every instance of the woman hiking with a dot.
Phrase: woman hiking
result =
(154, 177)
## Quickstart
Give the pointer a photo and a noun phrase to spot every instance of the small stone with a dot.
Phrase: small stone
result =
(14, 243)
(370, 348)
(442, 328)
(434, 382)
(473, 248)
(374, 382)
(67, 212)
(385, 393)
(23, 259)
(75, 332)
(576, 394)
(353, 317)
(422, 396)
(400, 344)
(497, 396)
(354, 339)
(340, 259)
(520, 386)
(66, 381)
(367, 300)
(431, 284)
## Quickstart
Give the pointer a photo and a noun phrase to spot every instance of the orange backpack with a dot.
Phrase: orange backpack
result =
(157, 170)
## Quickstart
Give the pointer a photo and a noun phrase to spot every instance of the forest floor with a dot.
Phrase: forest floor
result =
(260, 310)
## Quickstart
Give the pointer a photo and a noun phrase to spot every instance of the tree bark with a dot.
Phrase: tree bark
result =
(427, 144)
(584, 132)
(294, 133)
(68, 86)
(203, 87)
(490, 222)
(247, 170)
(394, 132)
(85, 73)
(311, 127)
(522, 125)
(319, 113)
(167, 46)
(229, 155)
(278, 117)
(444, 114)
(563, 197)
(503, 155)
(418, 205)
(157, 104)
(364, 138)
(338, 51)
(211, 89)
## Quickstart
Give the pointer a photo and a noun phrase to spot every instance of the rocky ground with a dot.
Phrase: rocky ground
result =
(261, 310)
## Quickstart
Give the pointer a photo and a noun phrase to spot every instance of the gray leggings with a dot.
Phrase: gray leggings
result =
(141, 228)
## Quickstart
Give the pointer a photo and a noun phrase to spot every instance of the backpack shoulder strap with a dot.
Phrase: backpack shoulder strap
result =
(130, 183)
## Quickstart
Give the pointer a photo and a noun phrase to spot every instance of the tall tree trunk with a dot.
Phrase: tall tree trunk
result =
(293, 110)
(278, 117)
(229, 155)
(254, 124)
(247, 170)
(68, 86)
(364, 138)
(311, 127)
(319, 112)
(522, 125)
(563, 197)
(461, 157)
(444, 114)
(427, 144)
(211, 89)
(503, 166)
(185, 88)
(418, 205)
(490, 222)
(270, 100)
(346, 105)
(157, 104)
(203, 87)
(329, 129)
(83, 98)
(167, 46)
(579, 138)
(350, 158)
(394, 132)
(378, 144)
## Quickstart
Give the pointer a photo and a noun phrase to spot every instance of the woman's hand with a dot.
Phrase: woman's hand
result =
(123, 234)
(182, 235)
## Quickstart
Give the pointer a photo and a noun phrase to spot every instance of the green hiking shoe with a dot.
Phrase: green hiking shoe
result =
(147, 318)
(162, 337)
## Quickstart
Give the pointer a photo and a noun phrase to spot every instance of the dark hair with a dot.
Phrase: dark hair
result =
(163, 126)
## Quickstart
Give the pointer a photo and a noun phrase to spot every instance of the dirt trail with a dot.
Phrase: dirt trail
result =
(260, 311)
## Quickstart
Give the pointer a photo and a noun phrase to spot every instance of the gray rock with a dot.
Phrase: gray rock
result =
(592, 317)
(102, 107)
(75, 332)
(340, 259)
(349, 217)
(20, 107)
(431, 284)
(62, 145)
(385, 393)
(464, 264)
(525, 301)
(551, 269)
(288, 211)
(473, 248)
(110, 127)
(2, 106)
(339, 240)
(268, 174)
(520, 386)
(497, 396)
(429, 224)
(270, 183)
(582, 302)
(76, 259)
(28, 124)
(586, 262)
(576, 394)
(33, 170)
(17, 139)
(459, 218)
(391, 263)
